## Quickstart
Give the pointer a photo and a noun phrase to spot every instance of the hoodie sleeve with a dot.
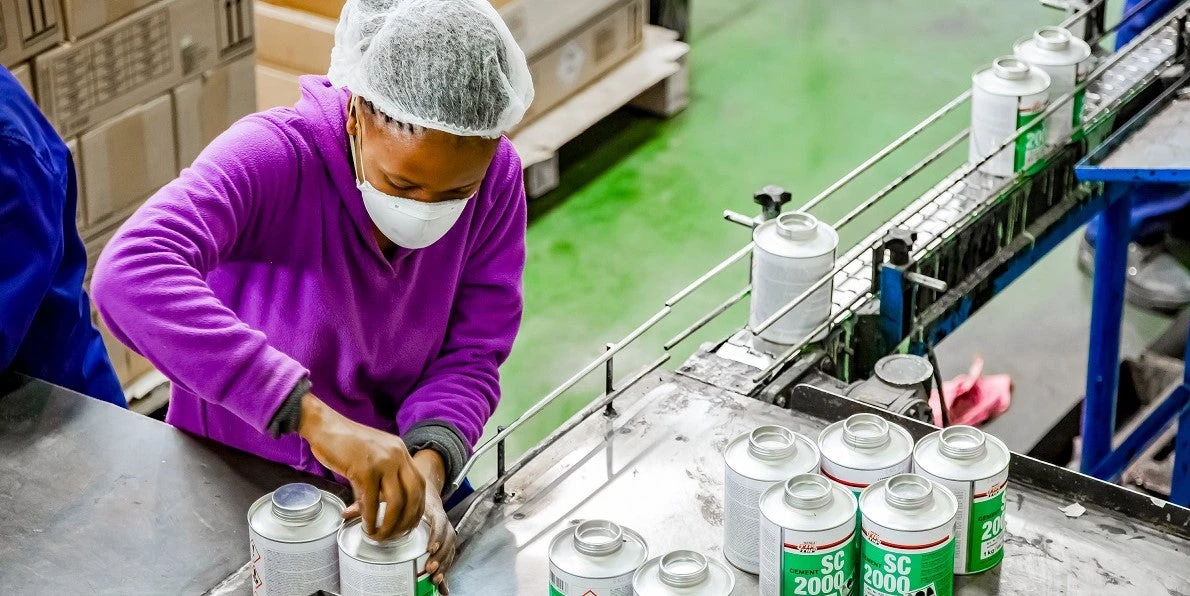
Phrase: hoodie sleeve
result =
(460, 389)
(150, 283)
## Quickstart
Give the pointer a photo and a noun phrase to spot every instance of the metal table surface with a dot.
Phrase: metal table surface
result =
(99, 500)
(657, 468)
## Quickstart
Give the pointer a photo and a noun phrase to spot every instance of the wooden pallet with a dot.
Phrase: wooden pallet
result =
(655, 80)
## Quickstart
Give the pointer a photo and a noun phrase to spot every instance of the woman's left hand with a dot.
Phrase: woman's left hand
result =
(442, 541)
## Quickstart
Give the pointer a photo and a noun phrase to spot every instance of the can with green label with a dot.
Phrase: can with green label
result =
(908, 545)
(1067, 60)
(1004, 97)
(394, 567)
(864, 448)
(974, 466)
(808, 541)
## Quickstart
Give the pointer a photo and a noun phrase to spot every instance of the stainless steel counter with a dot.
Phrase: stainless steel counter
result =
(657, 468)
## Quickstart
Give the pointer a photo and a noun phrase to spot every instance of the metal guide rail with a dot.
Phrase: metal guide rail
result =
(973, 233)
(657, 468)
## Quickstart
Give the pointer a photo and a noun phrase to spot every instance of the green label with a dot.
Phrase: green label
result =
(554, 591)
(890, 573)
(1077, 116)
(1030, 144)
(820, 573)
(985, 542)
(425, 587)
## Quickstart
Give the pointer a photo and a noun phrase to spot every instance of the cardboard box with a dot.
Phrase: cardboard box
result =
(586, 55)
(127, 158)
(297, 41)
(24, 75)
(276, 87)
(80, 210)
(137, 58)
(84, 16)
(206, 106)
(27, 27)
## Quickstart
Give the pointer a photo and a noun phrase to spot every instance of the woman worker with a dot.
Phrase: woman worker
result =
(334, 285)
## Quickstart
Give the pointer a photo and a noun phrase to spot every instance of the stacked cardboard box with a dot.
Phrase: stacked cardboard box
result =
(569, 43)
(136, 88)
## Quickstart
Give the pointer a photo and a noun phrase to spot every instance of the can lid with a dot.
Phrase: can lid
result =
(772, 442)
(1010, 67)
(962, 442)
(797, 225)
(903, 369)
(683, 572)
(866, 431)
(297, 502)
(356, 543)
(683, 568)
(808, 491)
(1052, 38)
(908, 491)
(598, 537)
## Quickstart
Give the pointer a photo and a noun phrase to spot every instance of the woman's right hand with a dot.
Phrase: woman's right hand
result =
(376, 463)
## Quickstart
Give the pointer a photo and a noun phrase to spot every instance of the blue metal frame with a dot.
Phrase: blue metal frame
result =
(1107, 307)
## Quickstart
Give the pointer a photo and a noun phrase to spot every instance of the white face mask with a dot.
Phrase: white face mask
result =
(407, 222)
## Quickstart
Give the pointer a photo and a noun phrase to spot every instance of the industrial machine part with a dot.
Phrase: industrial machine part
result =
(1004, 97)
(291, 539)
(1067, 60)
(900, 384)
(974, 466)
(396, 566)
(595, 556)
(683, 573)
(863, 449)
(808, 541)
(908, 546)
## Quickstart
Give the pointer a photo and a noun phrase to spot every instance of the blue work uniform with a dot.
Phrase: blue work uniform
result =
(45, 316)
(1154, 206)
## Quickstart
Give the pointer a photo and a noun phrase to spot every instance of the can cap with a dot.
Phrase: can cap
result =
(772, 442)
(808, 491)
(1011, 68)
(903, 369)
(962, 442)
(297, 502)
(908, 491)
(797, 225)
(866, 431)
(1052, 38)
(598, 537)
(683, 568)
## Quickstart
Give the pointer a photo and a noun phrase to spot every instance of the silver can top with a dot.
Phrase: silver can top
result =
(796, 235)
(355, 543)
(961, 453)
(1052, 46)
(908, 502)
(808, 503)
(1011, 76)
(903, 370)
(683, 572)
(296, 512)
(598, 549)
(865, 442)
(771, 453)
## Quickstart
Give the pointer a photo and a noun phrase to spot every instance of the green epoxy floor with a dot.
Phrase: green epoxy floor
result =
(792, 92)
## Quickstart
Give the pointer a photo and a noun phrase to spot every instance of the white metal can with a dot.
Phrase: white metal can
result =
(908, 545)
(862, 449)
(1004, 97)
(755, 461)
(974, 466)
(395, 567)
(808, 538)
(792, 253)
(1067, 61)
(683, 573)
(291, 541)
(595, 557)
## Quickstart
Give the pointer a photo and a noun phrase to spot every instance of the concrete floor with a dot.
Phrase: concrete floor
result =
(793, 92)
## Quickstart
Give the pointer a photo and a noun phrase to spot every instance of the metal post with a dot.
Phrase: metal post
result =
(501, 495)
(1107, 308)
(609, 378)
(892, 305)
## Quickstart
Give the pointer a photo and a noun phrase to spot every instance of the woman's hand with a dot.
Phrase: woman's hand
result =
(376, 463)
(442, 533)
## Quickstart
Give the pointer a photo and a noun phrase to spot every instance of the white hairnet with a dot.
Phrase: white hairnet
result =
(449, 65)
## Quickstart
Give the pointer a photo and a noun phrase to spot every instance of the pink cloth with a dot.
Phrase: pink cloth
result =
(973, 398)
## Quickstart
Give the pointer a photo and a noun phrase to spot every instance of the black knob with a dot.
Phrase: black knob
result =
(899, 242)
(771, 198)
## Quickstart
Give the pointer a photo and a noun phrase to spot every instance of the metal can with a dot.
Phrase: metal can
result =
(395, 567)
(1004, 97)
(1067, 61)
(755, 461)
(683, 573)
(862, 449)
(808, 538)
(792, 253)
(291, 540)
(595, 557)
(974, 466)
(908, 545)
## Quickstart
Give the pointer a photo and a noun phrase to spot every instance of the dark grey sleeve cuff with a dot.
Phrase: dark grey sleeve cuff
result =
(289, 415)
(442, 437)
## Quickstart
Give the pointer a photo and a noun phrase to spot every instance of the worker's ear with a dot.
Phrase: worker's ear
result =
(352, 119)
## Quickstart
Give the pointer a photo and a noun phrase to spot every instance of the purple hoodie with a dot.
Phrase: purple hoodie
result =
(258, 267)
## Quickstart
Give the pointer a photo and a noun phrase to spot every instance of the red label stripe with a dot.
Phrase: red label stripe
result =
(824, 546)
(844, 482)
(981, 495)
(914, 546)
